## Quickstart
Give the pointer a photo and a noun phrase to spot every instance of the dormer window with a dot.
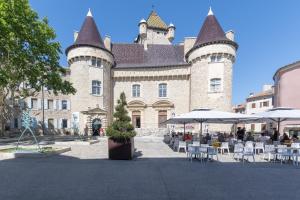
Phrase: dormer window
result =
(215, 58)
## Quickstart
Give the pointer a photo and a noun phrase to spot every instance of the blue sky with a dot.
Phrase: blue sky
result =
(268, 31)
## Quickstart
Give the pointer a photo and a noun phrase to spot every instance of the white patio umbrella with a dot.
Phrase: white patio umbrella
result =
(205, 115)
(279, 115)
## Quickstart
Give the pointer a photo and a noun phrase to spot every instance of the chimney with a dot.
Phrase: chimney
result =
(230, 35)
(107, 42)
(75, 35)
(251, 94)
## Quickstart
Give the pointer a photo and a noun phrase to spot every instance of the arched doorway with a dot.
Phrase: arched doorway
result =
(96, 125)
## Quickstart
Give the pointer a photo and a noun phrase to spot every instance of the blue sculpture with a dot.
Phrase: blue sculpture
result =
(27, 123)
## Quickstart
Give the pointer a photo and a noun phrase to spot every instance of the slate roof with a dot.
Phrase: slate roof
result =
(88, 35)
(134, 55)
(154, 21)
(211, 32)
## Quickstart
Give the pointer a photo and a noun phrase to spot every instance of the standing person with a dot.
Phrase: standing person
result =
(275, 135)
(239, 133)
(243, 132)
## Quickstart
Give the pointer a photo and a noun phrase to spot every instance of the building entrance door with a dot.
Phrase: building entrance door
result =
(136, 119)
(162, 117)
(96, 126)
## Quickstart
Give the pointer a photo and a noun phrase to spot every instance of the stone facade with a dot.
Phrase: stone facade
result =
(160, 79)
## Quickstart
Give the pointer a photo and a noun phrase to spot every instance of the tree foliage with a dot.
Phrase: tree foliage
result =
(29, 54)
(121, 129)
(28, 51)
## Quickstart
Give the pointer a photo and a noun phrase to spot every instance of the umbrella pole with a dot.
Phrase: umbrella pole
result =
(278, 126)
(200, 130)
(184, 128)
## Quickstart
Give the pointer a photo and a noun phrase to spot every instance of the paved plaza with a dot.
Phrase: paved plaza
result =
(156, 173)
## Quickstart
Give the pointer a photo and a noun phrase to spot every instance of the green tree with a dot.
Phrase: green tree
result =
(29, 55)
(121, 130)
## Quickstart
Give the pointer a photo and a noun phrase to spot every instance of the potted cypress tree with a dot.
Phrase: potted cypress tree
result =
(120, 133)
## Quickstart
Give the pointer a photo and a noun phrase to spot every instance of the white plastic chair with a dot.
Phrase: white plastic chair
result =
(175, 144)
(249, 144)
(248, 152)
(203, 152)
(276, 143)
(283, 153)
(259, 146)
(269, 150)
(238, 150)
(211, 152)
(296, 153)
(224, 146)
(196, 143)
(192, 152)
(182, 145)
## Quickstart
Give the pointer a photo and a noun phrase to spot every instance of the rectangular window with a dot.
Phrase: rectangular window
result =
(94, 61)
(162, 90)
(253, 105)
(263, 127)
(64, 104)
(213, 58)
(162, 117)
(136, 91)
(98, 63)
(50, 104)
(266, 104)
(51, 123)
(64, 123)
(34, 104)
(215, 85)
(252, 127)
(96, 87)
(16, 123)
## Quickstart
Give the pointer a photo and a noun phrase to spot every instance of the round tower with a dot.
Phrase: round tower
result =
(171, 32)
(143, 29)
(211, 58)
(90, 64)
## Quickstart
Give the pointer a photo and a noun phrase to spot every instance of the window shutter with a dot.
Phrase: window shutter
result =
(59, 104)
(59, 123)
(68, 105)
(29, 102)
(46, 123)
(54, 104)
(39, 104)
(55, 123)
(69, 124)
(45, 104)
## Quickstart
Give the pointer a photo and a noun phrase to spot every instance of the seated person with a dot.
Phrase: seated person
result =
(207, 137)
(295, 138)
(249, 137)
(284, 138)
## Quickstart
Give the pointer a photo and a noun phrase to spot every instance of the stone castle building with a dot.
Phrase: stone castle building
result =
(160, 79)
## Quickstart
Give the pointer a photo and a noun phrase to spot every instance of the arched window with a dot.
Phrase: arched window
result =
(136, 90)
(162, 90)
(215, 84)
(96, 87)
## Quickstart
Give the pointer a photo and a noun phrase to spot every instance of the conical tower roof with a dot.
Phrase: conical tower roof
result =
(154, 21)
(211, 32)
(88, 34)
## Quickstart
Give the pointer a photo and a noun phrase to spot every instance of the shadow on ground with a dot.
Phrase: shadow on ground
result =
(65, 177)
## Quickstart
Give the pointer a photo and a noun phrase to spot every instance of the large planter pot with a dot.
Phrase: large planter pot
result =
(120, 150)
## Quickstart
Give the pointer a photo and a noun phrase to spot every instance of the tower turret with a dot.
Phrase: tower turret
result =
(90, 64)
(212, 58)
(143, 29)
(171, 32)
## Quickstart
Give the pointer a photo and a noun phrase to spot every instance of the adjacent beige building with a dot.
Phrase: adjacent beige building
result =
(160, 79)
